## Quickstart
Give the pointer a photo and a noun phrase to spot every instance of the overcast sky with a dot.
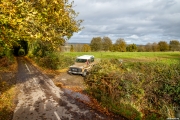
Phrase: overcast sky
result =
(136, 21)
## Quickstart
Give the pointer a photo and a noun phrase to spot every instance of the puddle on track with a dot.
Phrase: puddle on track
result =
(77, 95)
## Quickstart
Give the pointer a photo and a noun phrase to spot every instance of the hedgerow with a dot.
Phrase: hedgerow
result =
(136, 90)
(44, 55)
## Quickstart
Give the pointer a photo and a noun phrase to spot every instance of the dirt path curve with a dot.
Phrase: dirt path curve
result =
(39, 99)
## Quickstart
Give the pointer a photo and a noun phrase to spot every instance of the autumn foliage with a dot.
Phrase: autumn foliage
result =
(136, 90)
(32, 20)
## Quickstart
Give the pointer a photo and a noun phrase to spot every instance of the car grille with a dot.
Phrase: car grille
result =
(76, 69)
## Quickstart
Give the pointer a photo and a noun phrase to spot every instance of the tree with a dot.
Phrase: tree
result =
(132, 48)
(163, 46)
(174, 45)
(106, 43)
(141, 48)
(78, 47)
(120, 45)
(86, 48)
(148, 47)
(45, 20)
(96, 44)
(72, 48)
(112, 48)
(155, 47)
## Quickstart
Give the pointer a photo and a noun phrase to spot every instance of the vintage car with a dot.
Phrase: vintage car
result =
(82, 65)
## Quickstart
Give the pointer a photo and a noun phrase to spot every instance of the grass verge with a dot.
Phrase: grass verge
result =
(7, 87)
(6, 104)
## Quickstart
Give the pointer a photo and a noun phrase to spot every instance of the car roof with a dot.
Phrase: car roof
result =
(85, 57)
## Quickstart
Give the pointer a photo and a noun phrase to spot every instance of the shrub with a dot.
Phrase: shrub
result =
(140, 86)
(5, 62)
(54, 61)
(65, 61)
(50, 61)
(43, 54)
(106, 85)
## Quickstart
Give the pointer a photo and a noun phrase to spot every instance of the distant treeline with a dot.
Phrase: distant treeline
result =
(105, 44)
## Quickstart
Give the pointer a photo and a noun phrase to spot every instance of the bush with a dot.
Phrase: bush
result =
(50, 61)
(5, 62)
(105, 84)
(44, 55)
(65, 61)
(54, 61)
(140, 86)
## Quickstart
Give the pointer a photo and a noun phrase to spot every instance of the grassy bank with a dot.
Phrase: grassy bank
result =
(8, 67)
(6, 103)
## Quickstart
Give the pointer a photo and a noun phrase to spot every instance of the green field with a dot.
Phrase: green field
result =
(165, 57)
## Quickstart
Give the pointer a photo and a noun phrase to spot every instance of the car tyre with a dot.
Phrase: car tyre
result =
(69, 73)
(84, 73)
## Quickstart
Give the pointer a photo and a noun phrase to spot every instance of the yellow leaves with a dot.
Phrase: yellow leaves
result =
(34, 13)
(55, 1)
(19, 20)
(38, 35)
(44, 20)
(13, 22)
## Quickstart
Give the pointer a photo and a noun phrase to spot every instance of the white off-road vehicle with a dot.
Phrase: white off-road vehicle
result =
(82, 65)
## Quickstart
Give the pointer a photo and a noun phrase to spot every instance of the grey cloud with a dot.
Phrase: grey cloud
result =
(148, 20)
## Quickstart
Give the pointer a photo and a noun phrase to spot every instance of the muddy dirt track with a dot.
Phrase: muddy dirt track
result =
(39, 99)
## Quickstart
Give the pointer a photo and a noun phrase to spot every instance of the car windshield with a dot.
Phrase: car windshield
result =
(81, 60)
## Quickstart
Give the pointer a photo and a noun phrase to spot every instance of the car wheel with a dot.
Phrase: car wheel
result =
(84, 73)
(69, 73)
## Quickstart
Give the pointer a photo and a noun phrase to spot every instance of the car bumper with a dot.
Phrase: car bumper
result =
(73, 72)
